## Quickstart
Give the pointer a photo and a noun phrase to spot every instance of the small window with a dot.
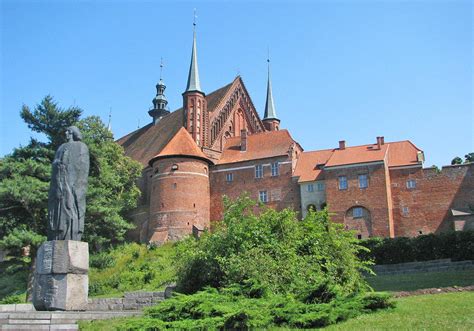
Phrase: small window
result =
(229, 177)
(310, 188)
(405, 210)
(174, 167)
(357, 212)
(263, 196)
(363, 181)
(359, 236)
(275, 169)
(343, 183)
(320, 187)
(411, 184)
(258, 171)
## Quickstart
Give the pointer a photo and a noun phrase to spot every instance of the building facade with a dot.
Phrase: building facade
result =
(217, 145)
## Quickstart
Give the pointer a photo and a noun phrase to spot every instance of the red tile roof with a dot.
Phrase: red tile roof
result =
(306, 167)
(357, 154)
(182, 144)
(148, 141)
(259, 146)
(399, 153)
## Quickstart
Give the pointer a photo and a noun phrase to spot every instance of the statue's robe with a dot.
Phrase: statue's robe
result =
(67, 192)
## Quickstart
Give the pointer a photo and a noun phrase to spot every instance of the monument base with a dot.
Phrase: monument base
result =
(61, 281)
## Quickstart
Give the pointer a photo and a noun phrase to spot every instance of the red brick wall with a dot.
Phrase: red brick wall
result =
(373, 198)
(179, 198)
(430, 202)
(282, 190)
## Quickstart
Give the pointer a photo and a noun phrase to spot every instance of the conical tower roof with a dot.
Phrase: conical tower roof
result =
(193, 77)
(182, 144)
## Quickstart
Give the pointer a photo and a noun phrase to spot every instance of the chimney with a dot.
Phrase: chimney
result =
(243, 140)
(382, 140)
(379, 142)
(342, 144)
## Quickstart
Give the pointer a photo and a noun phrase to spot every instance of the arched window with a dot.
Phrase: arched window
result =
(358, 218)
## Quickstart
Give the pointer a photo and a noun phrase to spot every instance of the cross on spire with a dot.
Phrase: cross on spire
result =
(161, 67)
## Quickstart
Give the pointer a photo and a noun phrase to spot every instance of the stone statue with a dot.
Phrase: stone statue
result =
(67, 191)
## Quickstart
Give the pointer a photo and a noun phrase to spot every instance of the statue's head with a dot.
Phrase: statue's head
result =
(74, 132)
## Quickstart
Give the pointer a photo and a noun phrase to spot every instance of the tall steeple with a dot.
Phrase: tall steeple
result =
(270, 119)
(196, 116)
(160, 103)
(193, 77)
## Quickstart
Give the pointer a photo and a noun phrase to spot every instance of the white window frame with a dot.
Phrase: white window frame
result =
(411, 184)
(359, 213)
(259, 171)
(263, 196)
(340, 183)
(310, 188)
(275, 169)
(361, 180)
(229, 177)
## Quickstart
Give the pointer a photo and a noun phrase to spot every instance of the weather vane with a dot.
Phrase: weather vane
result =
(195, 16)
(161, 67)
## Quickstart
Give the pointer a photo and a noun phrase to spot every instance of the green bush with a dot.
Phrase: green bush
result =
(131, 267)
(457, 246)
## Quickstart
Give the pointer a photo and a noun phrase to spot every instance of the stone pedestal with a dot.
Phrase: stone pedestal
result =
(61, 280)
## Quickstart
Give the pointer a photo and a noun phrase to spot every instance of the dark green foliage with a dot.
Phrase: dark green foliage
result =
(13, 280)
(454, 245)
(25, 176)
(271, 253)
(219, 309)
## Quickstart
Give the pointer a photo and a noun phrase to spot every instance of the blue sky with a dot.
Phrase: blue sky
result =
(348, 70)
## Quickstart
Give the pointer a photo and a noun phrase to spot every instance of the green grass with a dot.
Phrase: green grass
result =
(134, 267)
(450, 311)
(415, 281)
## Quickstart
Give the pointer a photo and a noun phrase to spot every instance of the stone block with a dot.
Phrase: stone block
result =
(10, 307)
(169, 291)
(60, 292)
(63, 256)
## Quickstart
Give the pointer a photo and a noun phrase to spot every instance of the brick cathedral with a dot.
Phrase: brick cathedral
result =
(217, 144)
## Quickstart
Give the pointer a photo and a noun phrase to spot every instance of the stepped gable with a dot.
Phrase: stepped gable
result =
(145, 143)
(259, 146)
(182, 144)
(306, 167)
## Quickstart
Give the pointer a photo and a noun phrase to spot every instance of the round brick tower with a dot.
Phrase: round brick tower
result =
(180, 193)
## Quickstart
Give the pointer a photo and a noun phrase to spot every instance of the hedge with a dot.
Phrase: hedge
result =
(457, 246)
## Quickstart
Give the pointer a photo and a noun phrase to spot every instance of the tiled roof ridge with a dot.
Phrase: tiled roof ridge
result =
(222, 100)
(251, 102)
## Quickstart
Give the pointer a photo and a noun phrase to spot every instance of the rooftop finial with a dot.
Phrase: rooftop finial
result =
(161, 67)
(109, 125)
(194, 19)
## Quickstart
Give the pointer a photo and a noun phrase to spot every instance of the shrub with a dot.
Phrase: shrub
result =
(457, 246)
(272, 252)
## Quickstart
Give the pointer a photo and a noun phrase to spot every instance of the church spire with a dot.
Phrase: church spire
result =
(193, 76)
(270, 119)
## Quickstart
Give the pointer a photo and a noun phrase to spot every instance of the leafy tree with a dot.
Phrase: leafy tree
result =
(456, 160)
(469, 158)
(25, 176)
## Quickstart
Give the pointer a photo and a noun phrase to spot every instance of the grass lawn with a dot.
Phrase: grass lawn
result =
(450, 311)
(415, 281)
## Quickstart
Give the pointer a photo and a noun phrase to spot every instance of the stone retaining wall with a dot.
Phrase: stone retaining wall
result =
(130, 301)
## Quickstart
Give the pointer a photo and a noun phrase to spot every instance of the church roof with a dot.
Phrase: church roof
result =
(396, 154)
(145, 143)
(259, 146)
(182, 144)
